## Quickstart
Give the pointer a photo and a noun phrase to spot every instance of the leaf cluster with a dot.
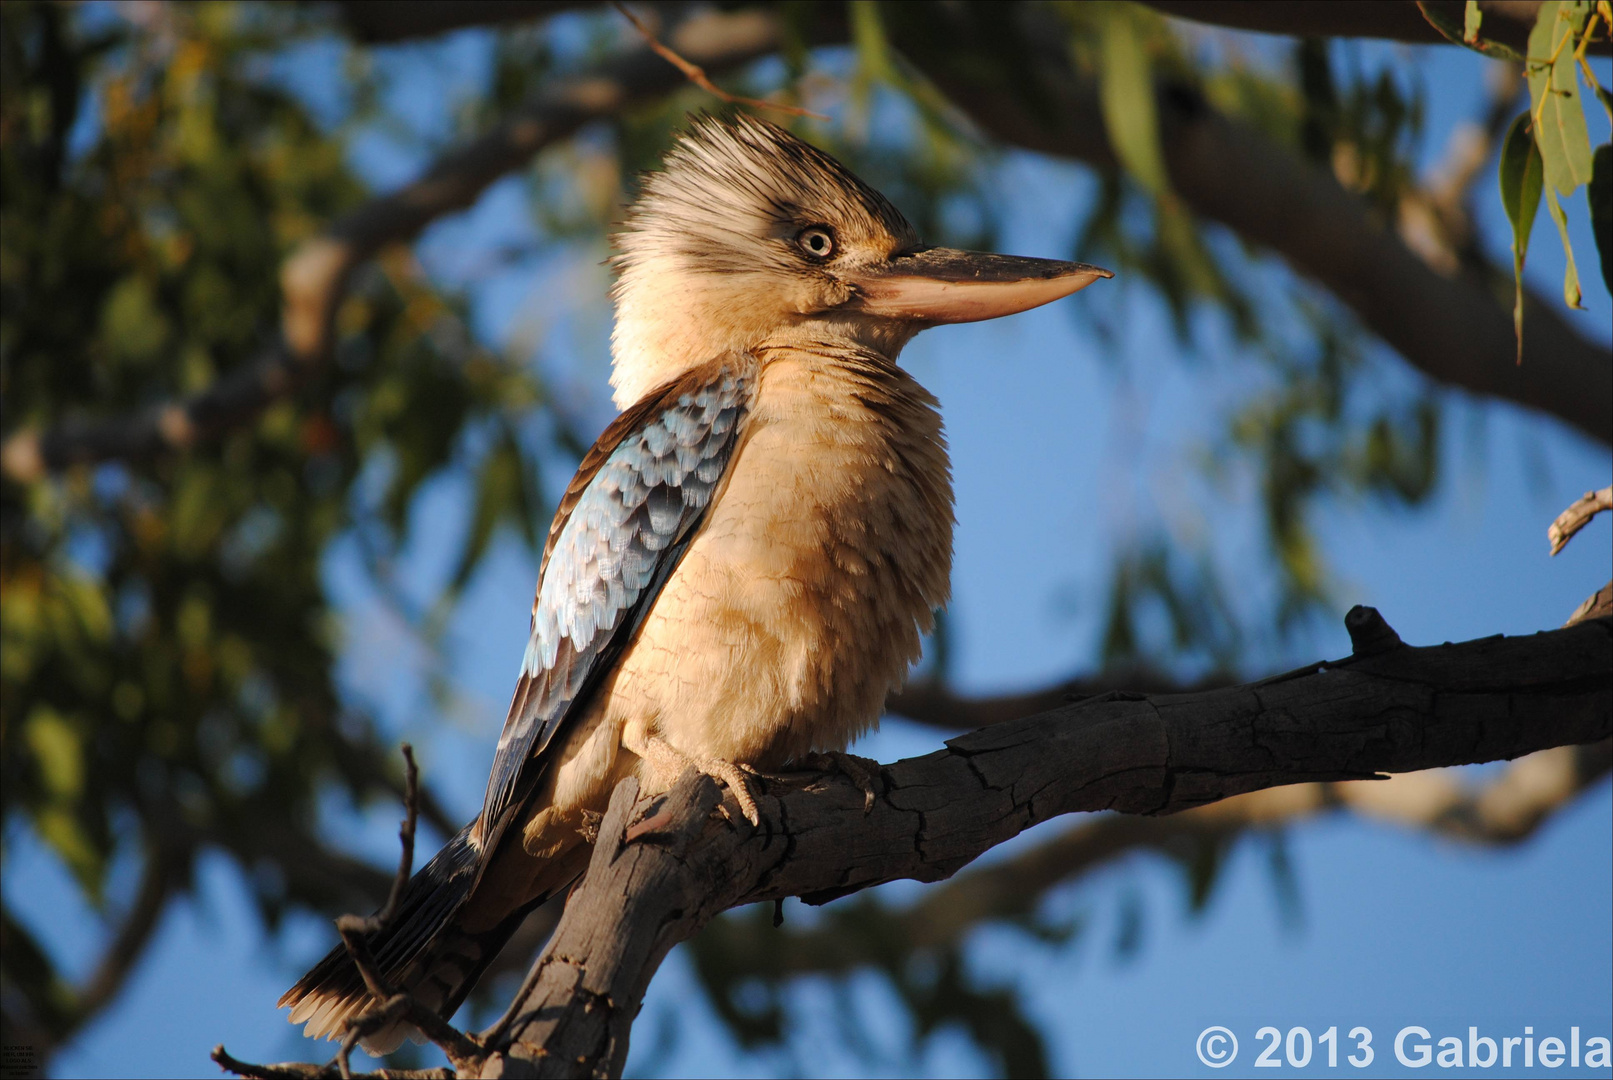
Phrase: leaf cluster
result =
(167, 683)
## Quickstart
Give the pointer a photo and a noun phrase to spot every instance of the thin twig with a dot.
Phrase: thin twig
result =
(302, 1070)
(291, 1070)
(697, 74)
(389, 1006)
(411, 813)
(355, 929)
(1577, 516)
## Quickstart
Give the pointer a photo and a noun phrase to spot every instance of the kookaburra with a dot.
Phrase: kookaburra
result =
(743, 566)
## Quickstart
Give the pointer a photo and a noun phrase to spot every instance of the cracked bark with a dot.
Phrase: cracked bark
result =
(1388, 708)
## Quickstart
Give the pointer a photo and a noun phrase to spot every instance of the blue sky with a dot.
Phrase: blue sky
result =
(1062, 452)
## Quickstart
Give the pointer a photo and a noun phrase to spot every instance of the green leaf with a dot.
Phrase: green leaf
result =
(1521, 181)
(1440, 20)
(874, 63)
(1571, 293)
(1599, 194)
(1565, 145)
(1466, 31)
(1127, 95)
(1606, 99)
(58, 752)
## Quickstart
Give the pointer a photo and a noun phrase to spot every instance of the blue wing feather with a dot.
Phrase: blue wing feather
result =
(624, 524)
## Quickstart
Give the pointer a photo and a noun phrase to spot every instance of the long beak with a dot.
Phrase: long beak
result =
(944, 285)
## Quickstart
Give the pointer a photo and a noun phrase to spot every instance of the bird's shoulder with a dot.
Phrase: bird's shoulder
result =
(669, 437)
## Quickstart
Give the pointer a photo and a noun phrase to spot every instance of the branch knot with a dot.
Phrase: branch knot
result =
(1370, 635)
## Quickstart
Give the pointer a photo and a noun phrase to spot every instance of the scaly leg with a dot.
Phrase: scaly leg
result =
(667, 760)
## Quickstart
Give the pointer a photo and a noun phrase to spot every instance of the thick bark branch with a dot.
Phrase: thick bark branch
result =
(1507, 810)
(1388, 708)
(1506, 21)
(1452, 328)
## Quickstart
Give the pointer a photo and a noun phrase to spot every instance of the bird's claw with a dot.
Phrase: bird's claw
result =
(667, 761)
(860, 770)
(734, 777)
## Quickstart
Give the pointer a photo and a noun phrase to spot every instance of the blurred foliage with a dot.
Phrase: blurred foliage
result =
(1316, 424)
(167, 675)
(168, 645)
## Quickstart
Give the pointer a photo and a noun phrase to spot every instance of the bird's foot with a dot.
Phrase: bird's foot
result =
(863, 772)
(667, 760)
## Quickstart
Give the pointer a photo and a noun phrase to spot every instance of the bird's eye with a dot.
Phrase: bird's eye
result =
(817, 241)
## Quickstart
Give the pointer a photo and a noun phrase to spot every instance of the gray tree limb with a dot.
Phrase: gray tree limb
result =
(315, 277)
(1506, 21)
(1452, 328)
(401, 20)
(664, 867)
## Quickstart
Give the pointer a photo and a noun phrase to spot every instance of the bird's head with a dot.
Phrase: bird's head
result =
(750, 237)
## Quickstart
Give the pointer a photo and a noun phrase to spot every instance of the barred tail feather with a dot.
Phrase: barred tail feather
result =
(424, 952)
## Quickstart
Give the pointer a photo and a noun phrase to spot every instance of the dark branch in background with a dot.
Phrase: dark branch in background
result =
(400, 20)
(1451, 328)
(165, 869)
(1506, 21)
(1389, 707)
(315, 277)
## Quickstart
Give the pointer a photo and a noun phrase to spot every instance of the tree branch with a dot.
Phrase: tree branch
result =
(315, 277)
(1389, 708)
(1452, 328)
(1577, 516)
(161, 873)
(400, 20)
(1507, 810)
(1506, 21)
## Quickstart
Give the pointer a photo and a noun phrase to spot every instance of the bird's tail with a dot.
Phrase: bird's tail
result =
(424, 952)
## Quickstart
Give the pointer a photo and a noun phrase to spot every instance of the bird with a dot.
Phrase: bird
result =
(747, 559)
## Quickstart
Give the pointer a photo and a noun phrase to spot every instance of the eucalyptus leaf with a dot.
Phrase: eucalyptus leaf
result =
(1521, 181)
(1554, 99)
(1127, 95)
(1571, 293)
(1599, 195)
(1465, 31)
